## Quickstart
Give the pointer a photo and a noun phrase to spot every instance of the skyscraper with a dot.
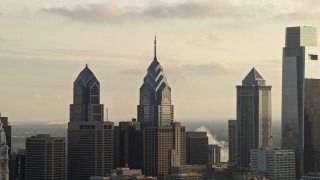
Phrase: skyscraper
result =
(232, 140)
(45, 157)
(155, 107)
(164, 141)
(300, 62)
(163, 147)
(197, 148)
(90, 139)
(253, 116)
(4, 157)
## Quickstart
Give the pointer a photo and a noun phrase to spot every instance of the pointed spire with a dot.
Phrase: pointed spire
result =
(86, 64)
(155, 46)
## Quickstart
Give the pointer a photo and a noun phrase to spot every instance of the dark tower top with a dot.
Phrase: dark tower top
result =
(86, 98)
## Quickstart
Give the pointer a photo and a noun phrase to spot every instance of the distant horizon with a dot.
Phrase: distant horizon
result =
(41, 122)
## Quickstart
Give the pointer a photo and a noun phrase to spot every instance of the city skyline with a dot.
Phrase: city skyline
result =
(203, 53)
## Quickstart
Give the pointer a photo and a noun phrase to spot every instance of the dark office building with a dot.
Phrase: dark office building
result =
(90, 139)
(232, 140)
(45, 157)
(90, 149)
(116, 147)
(214, 153)
(312, 125)
(18, 165)
(197, 148)
(128, 144)
(253, 116)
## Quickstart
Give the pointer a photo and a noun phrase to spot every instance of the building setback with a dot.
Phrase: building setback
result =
(90, 138)
(253, 116)
(277, 164)
(232, 140)
(45, 157)
(197, 148)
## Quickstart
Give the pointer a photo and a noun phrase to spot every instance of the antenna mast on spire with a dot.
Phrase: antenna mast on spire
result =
(155, 46)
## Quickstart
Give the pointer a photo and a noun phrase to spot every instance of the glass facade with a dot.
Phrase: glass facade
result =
(300, 61)
(86, 98)
(155, 107)
(253, 117)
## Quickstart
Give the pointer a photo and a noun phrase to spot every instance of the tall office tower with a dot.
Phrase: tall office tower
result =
(300, 62)
(277, 164)
(163, 147)
(90, 139)
(7, 130)
(127, 132)
(214, 153)
(232, 140)
(253, 116)
(45, 157)
(155, 107)
(4, 157)
(197, 148)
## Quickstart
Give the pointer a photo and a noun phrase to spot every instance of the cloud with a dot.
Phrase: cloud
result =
(38, 96)
(1, 39)
(210, 68)
(89, 12)
(212, 139)
(111, 12)
(300, 15)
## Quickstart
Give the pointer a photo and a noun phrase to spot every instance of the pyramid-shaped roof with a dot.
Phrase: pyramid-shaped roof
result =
(253, 78)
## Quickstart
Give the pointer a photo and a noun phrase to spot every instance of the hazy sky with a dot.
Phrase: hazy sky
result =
(206, 48)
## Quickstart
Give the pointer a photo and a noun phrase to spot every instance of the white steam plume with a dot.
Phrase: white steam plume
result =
(212, 139)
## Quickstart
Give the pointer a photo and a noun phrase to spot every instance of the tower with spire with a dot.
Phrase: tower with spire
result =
(253, 116)
(155, 108)
(4, 157)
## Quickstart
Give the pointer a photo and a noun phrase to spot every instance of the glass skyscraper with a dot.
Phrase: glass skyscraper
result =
(155, 107)
(300, 62)
(86, 98)
(253, 116)
(90, 139)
